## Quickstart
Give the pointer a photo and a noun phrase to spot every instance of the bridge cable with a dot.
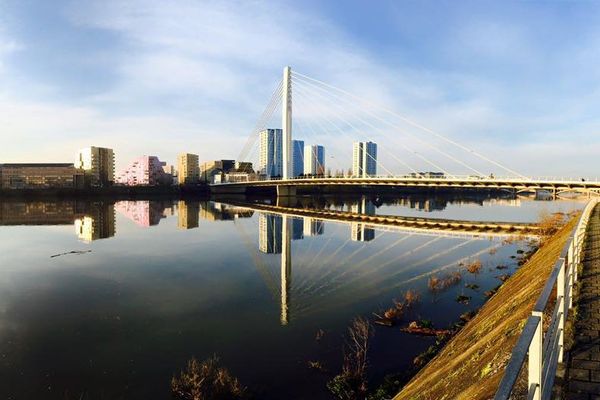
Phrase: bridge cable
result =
(306, 96)
(263, 121)
(408, 149)
(396, 127)
(341, 131)
(275, 98)
(389, 111)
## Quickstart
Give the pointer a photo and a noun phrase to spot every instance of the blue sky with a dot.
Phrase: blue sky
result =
(516, 80)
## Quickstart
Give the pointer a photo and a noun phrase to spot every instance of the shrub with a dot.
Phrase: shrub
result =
(206, 380)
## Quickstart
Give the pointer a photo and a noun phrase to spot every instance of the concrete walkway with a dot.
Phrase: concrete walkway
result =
(583, 380)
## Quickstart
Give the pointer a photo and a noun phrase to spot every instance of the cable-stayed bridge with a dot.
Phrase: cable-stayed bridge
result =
(324, 130)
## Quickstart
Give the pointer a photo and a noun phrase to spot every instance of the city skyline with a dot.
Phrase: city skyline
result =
(483, 80)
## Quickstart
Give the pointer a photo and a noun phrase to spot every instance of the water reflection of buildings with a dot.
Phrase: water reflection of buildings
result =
(92, 221)
(214, 211)
(97, 223)
(188, 214)
(143, 212)
(426, 205)
(269, 233)
(359, 232)
(313, 227)
(38, 213)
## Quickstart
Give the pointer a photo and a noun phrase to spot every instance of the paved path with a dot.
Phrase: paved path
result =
(584, 362)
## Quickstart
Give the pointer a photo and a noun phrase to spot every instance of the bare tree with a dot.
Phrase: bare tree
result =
(351, 383)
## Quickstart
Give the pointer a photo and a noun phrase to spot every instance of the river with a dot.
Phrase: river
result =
(111, 299)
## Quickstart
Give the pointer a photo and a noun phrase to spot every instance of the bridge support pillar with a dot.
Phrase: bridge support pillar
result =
(286, 191)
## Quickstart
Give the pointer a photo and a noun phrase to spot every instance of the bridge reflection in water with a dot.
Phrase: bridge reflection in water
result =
(331, 271)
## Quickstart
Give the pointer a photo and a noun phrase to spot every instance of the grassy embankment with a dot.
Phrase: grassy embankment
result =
(471, 365)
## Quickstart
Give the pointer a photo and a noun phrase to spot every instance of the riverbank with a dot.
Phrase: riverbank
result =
(471, 365)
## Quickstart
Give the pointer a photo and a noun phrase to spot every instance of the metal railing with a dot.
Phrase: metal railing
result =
(418, 178)
(545, 350)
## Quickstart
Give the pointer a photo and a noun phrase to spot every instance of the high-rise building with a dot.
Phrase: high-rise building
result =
(98, 164)
(188, 171)
(297, 157)
(270, 161)
(269, 233)
(145, 170)
(314, 160)
(364, 159)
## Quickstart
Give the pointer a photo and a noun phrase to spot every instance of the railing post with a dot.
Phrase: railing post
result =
(561, 296)
(571, 274)
(536, 358)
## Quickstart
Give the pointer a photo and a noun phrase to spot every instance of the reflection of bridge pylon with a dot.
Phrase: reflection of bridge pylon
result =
(286, 269)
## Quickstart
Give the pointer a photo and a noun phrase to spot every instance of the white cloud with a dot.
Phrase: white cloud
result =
(195, 76)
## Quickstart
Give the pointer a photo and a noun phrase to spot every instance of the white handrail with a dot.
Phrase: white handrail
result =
(546, 351)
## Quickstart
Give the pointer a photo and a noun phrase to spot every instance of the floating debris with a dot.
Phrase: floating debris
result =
(316, 365)
(474, 267)
(395, 313)
(77, 252)
(463, 299)
(425, 328)
(436, 284)
(384, 322)
(472, 286)
(504, 277)
(501, 266)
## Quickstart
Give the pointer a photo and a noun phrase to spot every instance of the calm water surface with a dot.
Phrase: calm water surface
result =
(160, 282)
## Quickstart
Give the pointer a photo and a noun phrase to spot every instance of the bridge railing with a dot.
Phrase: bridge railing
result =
(544, 350)
(424, 177)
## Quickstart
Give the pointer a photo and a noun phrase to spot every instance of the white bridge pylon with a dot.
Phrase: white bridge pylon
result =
(286, 122)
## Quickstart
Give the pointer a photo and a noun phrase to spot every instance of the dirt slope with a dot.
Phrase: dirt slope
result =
(471, 365)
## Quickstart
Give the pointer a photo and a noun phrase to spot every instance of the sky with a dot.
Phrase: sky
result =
(517, 81)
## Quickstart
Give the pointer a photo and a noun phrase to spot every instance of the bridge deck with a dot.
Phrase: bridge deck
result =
(413, 224)
(555, 186)
(584, 364)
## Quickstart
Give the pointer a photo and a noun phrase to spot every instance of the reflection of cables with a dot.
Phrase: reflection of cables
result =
(262, 270)
(362, 292)
(323, 280)
(381, 266)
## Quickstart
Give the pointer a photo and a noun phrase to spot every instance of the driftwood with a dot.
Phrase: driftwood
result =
(384, 322)
(424, 328)
(416, 330)
(71, 252)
